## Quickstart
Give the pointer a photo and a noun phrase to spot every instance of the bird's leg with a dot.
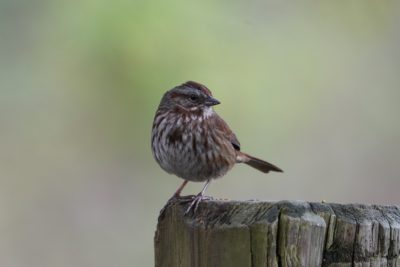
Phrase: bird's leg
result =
(199, 197)
(178, 192)
(176, 195)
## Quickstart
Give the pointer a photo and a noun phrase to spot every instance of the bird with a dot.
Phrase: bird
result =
(190, 140)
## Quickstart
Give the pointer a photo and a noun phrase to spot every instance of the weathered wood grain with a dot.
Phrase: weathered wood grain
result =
(265, 234)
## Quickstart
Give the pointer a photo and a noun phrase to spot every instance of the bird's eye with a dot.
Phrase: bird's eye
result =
(194, 97)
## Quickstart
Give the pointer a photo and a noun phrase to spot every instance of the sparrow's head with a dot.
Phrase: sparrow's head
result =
(191, 96)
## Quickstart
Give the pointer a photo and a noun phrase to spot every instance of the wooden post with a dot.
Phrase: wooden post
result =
(255, 234)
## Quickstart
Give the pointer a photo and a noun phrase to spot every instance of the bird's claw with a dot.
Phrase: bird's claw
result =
(195, 202)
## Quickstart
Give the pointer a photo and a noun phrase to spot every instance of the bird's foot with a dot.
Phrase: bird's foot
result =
(176, 198)
(195, 201)
(181, 199)
(186, 199)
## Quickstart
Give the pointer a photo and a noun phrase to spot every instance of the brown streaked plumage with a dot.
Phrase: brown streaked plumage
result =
(193, 142)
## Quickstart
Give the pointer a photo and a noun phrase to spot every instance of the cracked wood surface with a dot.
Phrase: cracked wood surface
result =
(256, 233)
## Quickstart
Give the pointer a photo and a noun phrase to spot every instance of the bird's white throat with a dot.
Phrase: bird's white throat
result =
(208, 111)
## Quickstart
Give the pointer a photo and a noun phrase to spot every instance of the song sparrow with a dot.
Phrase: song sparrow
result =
(191, 141)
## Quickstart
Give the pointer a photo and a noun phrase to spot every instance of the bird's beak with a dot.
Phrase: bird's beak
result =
(211, 101)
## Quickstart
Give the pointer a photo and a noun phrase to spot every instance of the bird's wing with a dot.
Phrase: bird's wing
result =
(229, 134)
(234, 141)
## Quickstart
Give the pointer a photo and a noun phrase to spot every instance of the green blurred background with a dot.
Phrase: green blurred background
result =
(312, 86)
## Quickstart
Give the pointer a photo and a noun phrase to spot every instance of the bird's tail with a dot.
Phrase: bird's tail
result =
(258, 164)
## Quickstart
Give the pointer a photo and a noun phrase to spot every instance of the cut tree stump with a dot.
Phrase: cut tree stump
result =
(255, 233)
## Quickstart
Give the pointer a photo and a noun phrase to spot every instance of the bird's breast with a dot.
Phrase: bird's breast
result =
(192, 148)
